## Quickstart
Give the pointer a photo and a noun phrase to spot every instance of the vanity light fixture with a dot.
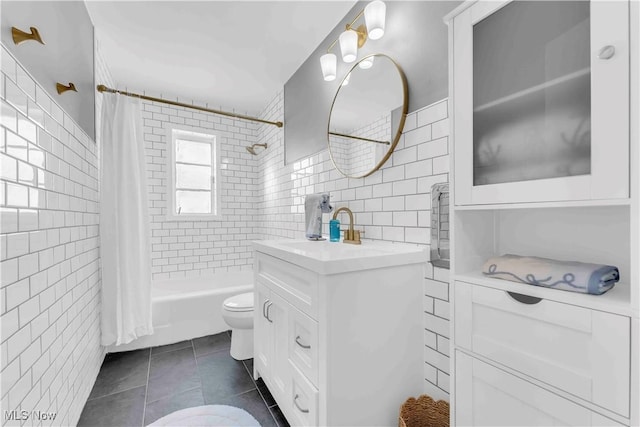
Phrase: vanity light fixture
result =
(329, 63)
(374, 15)
(354, 38)
(349, 46)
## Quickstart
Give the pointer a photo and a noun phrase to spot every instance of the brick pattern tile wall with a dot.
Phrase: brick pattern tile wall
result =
(197, 248)
(50, 283)
(392, 205)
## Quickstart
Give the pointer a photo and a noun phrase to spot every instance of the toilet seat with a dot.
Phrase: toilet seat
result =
(239, 303)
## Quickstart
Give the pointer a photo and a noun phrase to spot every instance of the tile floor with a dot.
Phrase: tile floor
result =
(136, 388)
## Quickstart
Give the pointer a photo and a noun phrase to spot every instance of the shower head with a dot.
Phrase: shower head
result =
(252, 148)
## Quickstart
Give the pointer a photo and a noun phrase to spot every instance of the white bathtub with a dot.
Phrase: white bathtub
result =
(189, 308)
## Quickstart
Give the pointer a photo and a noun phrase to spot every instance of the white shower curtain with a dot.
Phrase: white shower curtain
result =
(125, 236)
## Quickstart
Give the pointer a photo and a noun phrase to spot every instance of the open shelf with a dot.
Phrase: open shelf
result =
(546, 205)
(617, 300)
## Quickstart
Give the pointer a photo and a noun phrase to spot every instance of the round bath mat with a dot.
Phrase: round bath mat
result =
(209, 415)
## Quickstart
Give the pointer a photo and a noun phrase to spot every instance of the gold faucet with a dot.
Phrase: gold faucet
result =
(350, 236)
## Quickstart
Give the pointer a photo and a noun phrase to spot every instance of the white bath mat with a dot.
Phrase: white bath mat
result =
(210, 415)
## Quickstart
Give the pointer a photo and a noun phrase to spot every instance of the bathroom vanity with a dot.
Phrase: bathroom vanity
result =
(338, 329)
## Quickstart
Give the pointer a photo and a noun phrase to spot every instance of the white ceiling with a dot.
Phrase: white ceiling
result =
(231, 54)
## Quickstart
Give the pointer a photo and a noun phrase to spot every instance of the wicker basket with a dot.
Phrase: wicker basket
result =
(424, 412)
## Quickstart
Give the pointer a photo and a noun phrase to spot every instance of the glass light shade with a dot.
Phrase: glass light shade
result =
(366, 63)
(328, 62)
(346, 80)
(349, 46)
(374, 16)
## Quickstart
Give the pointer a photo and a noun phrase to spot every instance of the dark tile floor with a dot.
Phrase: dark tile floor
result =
(136, 388)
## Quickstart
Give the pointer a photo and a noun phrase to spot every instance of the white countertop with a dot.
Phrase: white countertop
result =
(325, 257)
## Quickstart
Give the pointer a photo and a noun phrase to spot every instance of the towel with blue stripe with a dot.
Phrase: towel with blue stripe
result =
(572, 276)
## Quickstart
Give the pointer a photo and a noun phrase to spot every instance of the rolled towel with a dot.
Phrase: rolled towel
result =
(572, 276)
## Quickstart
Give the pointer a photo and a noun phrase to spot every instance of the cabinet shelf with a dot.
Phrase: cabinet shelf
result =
(533, 90)
(546, 205)
(616, 300)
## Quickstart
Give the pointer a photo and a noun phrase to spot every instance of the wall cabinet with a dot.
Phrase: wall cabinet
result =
(543, 166)
(541, 101)
(338, 349)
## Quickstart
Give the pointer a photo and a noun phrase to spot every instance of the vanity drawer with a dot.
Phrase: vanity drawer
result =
(578, 350)
(488, 396)
(301, 407)
(295, 284)
(303, 344)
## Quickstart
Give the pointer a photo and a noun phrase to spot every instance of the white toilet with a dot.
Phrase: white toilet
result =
(237, 311)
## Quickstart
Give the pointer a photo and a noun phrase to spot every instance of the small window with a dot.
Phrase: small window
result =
(192, 167)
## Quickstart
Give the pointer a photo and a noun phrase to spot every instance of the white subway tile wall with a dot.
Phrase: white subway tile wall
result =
(200, 248)
(50, 284)
(394, 204)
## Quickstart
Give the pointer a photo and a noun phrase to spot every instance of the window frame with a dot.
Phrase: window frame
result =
(180, 132)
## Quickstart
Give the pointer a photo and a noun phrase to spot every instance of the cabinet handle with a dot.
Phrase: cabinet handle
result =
(607, 52)
(267, 316)
(264, 305)
(525, 299)
(300, 344)
(295, 402)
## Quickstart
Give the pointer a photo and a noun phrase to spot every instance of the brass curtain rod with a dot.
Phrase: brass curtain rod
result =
(103, 88)
(360, 138)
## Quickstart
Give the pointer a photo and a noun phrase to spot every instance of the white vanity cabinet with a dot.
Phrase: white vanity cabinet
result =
(542, 165)
(338, 330)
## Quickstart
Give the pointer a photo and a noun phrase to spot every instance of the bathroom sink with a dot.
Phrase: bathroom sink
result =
(326, 257)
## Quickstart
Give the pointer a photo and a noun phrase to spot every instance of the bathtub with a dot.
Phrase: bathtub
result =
(189, 307)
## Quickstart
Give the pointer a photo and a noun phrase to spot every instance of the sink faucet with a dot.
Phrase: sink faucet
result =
(350, 236)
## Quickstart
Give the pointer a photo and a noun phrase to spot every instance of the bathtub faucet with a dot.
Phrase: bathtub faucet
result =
(314, 206)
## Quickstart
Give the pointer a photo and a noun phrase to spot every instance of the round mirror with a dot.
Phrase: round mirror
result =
(367, 116)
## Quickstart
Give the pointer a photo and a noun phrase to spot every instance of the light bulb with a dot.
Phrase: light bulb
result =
(328, 62)
(374, 16)
(346, 80)
(366, 63)
(349, 45)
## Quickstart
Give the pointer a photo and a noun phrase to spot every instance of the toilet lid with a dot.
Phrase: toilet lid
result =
(242, 302)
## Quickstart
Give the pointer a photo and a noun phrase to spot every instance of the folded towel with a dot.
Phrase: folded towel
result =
(572, 276)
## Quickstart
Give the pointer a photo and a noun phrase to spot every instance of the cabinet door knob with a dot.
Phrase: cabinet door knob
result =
(524, 299)
(607, 52)
(295, 402)
(300, 344)
(268, 308)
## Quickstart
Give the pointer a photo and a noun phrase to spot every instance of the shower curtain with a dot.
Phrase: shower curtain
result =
(125, 237)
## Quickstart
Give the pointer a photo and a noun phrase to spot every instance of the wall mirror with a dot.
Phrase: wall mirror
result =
(367, 116)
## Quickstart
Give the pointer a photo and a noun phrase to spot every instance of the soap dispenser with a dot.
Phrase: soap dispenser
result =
(334, 230)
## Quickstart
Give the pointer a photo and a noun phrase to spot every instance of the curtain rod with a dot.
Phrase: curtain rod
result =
(360, 138)
(103, 88)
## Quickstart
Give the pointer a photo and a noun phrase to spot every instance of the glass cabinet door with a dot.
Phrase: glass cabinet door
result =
(541, 101)
(531, 92)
